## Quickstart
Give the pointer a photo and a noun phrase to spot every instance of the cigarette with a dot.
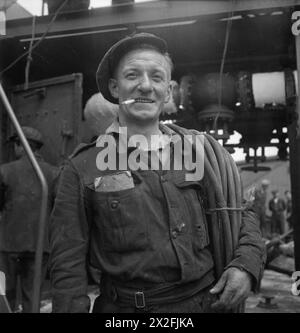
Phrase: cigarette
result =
(128, 101)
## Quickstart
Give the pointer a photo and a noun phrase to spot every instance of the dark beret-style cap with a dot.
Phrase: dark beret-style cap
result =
(117, 51)
(30, 134)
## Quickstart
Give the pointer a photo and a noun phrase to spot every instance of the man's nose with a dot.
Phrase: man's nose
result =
(145, 83)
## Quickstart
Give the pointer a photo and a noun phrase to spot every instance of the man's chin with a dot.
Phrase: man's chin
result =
(148, 115)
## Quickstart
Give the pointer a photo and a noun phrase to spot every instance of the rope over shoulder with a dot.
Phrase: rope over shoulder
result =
(236, 209)
(224, 197)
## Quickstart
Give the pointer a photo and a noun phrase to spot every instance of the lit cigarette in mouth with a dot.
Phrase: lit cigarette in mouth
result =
(128, 101)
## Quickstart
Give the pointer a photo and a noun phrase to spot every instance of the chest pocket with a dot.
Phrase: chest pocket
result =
(193, 211)
(117, 215)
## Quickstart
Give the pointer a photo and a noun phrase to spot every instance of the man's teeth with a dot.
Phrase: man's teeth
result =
(143, 100)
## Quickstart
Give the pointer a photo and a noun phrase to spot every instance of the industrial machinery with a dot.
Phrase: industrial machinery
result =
(269, 97)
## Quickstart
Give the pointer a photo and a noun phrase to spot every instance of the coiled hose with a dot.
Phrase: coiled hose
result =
(224, 192)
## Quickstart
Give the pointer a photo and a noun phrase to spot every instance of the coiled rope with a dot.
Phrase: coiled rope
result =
(224, 194)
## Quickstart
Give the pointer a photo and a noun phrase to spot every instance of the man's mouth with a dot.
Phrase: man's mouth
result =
(143, 100)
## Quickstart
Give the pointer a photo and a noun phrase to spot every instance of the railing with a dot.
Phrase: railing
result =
(43, 212)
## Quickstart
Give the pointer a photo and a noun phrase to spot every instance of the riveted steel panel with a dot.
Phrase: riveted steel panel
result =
(54, 107)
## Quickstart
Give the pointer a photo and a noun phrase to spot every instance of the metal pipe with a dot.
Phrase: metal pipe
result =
(44, 200)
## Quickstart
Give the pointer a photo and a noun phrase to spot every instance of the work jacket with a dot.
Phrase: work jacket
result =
(20, 204)
(150, 231)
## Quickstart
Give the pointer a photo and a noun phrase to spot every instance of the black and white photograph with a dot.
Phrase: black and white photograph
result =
(149, 159)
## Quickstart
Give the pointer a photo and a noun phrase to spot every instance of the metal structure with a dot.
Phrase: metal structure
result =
(260, 41)
(43, 209)
(269, 97)
(53, 106)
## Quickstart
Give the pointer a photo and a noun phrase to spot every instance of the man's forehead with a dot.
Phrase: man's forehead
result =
(147, 55)
(144, 56)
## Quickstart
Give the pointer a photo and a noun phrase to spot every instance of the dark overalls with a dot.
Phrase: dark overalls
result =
(149, 240)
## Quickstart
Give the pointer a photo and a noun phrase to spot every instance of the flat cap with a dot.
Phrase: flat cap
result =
(31, 134)
(117, 51)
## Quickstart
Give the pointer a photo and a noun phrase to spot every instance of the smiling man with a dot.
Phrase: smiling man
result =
(143, 77)
(143, 230)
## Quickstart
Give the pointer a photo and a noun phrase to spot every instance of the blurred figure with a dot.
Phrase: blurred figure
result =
(260, 200)
(20, 198)
(277, 206)
(99, 114)
(288, 202)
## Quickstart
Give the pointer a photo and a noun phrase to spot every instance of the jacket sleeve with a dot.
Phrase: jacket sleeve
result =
(55, 173)
(250, 255)
(2, 191)
(68, 233)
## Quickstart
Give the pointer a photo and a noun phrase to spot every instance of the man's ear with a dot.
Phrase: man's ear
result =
(169, 92)
(113, 88)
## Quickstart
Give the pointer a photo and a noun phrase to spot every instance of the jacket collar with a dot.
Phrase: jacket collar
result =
(159, 142)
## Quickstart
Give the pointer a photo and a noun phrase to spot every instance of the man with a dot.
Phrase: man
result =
(288, 202)
(260, 200)
(277, 206)
(145, 230)
(98, 114)
(20, 199)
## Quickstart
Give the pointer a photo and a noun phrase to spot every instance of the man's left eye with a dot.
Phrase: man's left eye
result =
(157, 78)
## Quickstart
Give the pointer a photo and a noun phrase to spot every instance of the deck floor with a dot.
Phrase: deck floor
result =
(275, 285)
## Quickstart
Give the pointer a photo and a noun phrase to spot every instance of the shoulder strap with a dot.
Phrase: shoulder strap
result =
(81, 147)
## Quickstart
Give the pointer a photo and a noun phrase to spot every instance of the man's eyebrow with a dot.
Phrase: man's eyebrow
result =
(129, 68)
(160, 70)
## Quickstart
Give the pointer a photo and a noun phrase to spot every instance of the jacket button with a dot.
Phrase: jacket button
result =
(163, 179)
(174, 233)
(114, 204)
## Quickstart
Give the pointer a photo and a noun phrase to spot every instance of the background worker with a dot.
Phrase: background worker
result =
(278, 220)
(259, 206)
(20, 202)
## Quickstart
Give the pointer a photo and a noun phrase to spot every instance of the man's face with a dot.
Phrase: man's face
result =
(265, 187)
(143, 75)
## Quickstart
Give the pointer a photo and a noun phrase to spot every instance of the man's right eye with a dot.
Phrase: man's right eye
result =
(130, 76)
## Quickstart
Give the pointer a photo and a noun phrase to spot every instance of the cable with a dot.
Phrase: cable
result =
(37, 43)
(29, 57)
(224, 193)
(228, 29)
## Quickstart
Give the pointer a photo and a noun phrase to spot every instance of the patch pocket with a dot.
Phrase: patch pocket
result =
(119, 218)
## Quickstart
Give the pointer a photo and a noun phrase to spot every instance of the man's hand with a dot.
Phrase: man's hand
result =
(234, 287)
